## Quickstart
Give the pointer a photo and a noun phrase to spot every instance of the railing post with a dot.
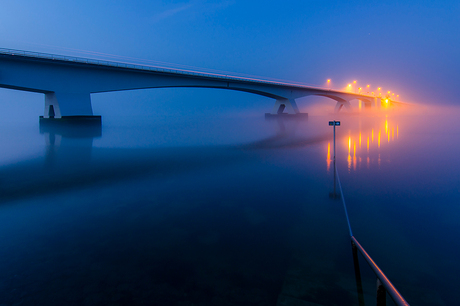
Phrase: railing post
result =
(359, 284)
(381, 294)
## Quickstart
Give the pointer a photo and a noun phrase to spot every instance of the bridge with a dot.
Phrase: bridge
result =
(68, 82)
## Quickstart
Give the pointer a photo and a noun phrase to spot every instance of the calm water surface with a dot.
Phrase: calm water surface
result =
(229, 211)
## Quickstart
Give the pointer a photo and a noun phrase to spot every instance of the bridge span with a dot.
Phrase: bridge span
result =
(68, 82)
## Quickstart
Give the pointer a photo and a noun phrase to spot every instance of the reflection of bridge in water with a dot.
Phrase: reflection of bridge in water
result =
(68, 82)
(71, 161)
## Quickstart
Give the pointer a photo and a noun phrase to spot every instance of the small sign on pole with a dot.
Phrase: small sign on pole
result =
(334, 122)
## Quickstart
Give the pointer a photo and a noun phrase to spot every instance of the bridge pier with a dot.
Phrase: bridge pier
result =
(378, 103)
(285, 104)
(340, 105)
(288, 105)
(60, 104)
(68, 107)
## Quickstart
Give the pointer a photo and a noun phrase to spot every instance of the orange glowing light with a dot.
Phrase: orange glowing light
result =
(354, 82)
(368, 86)
(386, 126)
(397, 132)
(367, 144)
(328, 80)
(349, 156)
(349, 85)
(354, 156)
(378, 88)
(328, 156)
(389, 91)
(372, 135)
(378, 141)
(386, 101)
(360, 139)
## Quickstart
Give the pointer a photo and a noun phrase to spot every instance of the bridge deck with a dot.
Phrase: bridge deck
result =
(151, 68)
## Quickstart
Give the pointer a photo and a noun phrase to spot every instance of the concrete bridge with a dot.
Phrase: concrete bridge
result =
(68, 83)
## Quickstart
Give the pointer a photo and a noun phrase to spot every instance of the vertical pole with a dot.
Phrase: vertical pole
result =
(335, 194)
(359, 284)
(381, 294)
(334, 141)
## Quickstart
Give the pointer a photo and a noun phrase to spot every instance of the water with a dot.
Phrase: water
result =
(229, 211)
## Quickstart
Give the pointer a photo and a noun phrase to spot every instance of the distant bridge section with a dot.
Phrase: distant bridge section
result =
(68, 82)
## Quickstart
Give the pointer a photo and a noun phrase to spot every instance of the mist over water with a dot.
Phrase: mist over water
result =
(230, 210)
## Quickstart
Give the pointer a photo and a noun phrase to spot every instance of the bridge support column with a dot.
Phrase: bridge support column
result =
(52, 109)
(378, 103)
(340, 105)
(58, 104)
(285, 104)
(63, 106)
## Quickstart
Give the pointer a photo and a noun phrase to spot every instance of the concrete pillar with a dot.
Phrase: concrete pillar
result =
(289, 105)
(62, 104)
(378, 102)
(340, 105)
(51, 106)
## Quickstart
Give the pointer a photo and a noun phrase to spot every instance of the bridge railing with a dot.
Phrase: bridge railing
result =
(383, 283)
(146, 67)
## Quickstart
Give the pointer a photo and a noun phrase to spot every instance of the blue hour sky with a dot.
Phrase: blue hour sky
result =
(409, 47)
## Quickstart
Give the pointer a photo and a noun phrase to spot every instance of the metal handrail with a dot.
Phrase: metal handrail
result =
(385, 282)
(228, 77)
(389, 287)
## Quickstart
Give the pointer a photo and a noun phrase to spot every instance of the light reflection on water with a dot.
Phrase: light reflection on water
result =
(371, 154)
(230, 211)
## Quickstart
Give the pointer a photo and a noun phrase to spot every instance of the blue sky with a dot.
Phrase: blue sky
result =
(409, 47)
